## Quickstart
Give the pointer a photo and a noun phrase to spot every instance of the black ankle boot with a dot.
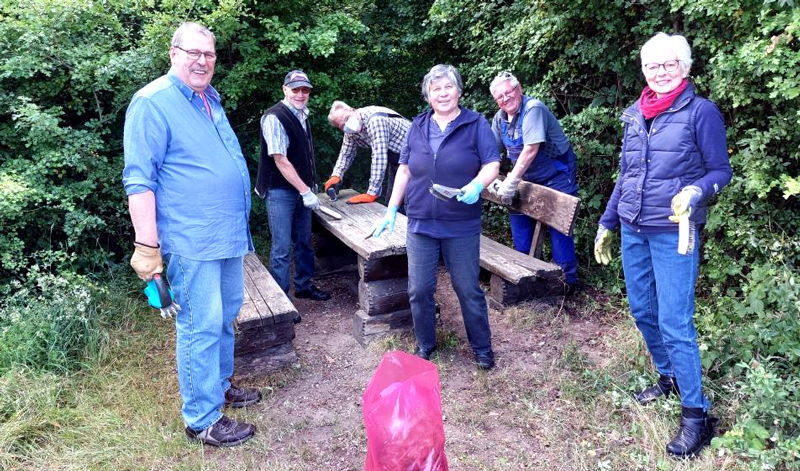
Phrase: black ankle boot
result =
(697, 430)
(666, 385)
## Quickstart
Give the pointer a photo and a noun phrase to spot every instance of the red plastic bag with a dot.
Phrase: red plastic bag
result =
(403, 416)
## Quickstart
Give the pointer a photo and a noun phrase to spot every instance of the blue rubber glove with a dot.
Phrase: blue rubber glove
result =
(470, 192)
(386, 222)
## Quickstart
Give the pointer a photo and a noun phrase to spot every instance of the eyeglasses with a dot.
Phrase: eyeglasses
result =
(501, 97)
(652, 68)
(194, 54)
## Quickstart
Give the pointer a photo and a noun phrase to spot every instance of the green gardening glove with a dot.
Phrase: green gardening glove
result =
(684, 202)
(602, 245)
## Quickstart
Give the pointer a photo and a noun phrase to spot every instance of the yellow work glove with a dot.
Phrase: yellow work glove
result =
(602, 245)
(334, 180)
(364, 198)
(146, 261)
(684, 202)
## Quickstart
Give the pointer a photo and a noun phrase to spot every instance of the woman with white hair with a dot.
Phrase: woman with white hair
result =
(452, 146)
(674, 159)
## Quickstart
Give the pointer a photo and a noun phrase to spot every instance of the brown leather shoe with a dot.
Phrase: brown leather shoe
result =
(223, 433)
(241, 397)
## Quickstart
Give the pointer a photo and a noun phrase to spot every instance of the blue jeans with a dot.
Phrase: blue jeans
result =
(290, 225)
(462, 259)
(563, 247)
(660, 284)
(210, 294)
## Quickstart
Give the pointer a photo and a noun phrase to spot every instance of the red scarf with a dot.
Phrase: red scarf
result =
(651, 105)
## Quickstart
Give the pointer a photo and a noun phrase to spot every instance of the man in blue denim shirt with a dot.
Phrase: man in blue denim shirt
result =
(189, 197)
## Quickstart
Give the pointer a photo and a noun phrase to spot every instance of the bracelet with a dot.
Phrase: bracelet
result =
(145, 245)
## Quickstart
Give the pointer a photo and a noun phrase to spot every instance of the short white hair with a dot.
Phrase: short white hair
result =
(676, 43)
(336, 107)
(189, 27)
(441, 71)
(503, 77)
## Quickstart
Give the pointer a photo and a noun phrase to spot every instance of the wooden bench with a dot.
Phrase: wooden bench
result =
(381, 263)
(517, 276)
(265, 325)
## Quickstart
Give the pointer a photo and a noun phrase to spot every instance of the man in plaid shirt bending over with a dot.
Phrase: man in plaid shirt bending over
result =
(375, 127)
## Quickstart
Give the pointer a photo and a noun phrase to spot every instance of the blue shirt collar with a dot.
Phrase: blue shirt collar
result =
(188, 92)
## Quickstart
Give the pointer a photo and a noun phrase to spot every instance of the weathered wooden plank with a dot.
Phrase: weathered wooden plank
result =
(505, 293)
(383, 296)
(512, 265)
(271, 303)
(537, 240)
(393, 266)
(254, 307)
(554, 208)
(258, 340)
(357, 219)
(259, 364)
(367, 328)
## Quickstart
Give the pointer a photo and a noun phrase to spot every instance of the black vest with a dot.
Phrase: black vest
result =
(300, 153)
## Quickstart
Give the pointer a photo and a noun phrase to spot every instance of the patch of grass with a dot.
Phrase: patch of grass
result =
(537, 314)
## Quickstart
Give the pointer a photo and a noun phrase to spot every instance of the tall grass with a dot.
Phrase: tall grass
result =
(52, 323)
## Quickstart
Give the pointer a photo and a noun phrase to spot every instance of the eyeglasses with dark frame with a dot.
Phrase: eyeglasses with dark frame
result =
(652, 68)
(194, 54)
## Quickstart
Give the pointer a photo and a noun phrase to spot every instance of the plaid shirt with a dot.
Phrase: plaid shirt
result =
(381, 134)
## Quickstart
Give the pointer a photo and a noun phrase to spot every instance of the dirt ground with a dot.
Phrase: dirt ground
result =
(311, 416)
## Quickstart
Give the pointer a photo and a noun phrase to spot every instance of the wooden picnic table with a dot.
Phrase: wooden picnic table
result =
(382, 263)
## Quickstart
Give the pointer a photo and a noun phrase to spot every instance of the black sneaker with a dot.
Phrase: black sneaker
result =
(241, 397)
(314, 293)
(223, 433)
(485, 361)
(423, 353)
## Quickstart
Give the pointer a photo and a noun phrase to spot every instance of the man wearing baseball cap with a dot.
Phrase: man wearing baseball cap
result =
(287, 178)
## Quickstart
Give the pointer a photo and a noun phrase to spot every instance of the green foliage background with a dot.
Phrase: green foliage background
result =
(68, 69)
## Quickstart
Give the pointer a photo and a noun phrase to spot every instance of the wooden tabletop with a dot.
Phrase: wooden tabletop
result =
(357, 221)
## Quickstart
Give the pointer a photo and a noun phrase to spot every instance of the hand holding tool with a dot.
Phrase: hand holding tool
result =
(332, 187)
(310, 200)
(442, 192)
(508, 190)
(602, 245)
(160, 296)
(146, 261)
(685, 202)
(386, 222)
(471, 192)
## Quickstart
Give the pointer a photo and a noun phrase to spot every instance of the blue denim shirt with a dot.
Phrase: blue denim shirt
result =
(193, 165)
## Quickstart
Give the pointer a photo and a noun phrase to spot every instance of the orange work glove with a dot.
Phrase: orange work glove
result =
(365, 198)
(332, 181)
(146, 261)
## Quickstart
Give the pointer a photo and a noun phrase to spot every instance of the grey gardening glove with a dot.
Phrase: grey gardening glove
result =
(310, 200)
(508, 189)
